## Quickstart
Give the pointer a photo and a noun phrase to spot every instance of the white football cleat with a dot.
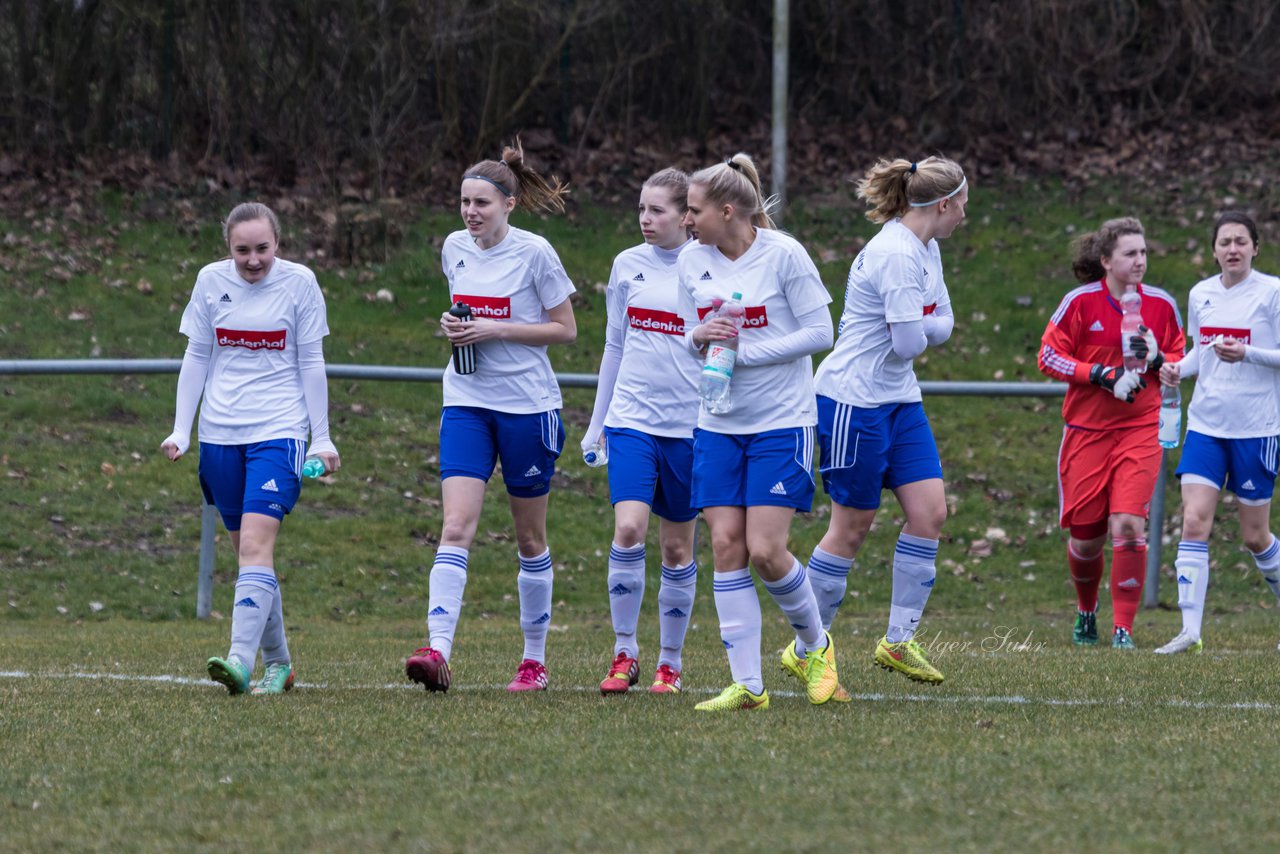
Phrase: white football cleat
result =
(1182, 642)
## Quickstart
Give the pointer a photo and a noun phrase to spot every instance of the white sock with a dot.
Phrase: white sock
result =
(1192, 566)
(675, 609)
(626, 593)
(739, 610)
(444, 597)
(254, 598)
(914, 571)
(1268, 562)
(275, 647)
(829, 578)
(795, 597)
(534, 584)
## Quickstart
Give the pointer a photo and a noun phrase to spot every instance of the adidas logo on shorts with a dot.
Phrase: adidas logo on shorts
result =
(533, 471)
(1248, 484)
(1096, 327)
(778, 489)
(270, 486)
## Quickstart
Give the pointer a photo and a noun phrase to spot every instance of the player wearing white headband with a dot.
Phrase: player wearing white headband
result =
(872, 429)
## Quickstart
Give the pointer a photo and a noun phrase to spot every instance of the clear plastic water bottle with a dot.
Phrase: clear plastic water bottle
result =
(313, 468)
(717, 370)
(1170, 416)
(464, 357)
(596, 455)
(1131, 306)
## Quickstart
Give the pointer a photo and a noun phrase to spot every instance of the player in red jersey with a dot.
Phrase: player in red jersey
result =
(1109, 459)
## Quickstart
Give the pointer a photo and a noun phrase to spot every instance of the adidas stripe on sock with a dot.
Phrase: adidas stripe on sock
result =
(1268, 563)
(626, 593)
(254, 599)
(739, 610)
(914, 571)
(444, 597)
(1192, 566)
(795, 597)
(534, 584)
(675, 610)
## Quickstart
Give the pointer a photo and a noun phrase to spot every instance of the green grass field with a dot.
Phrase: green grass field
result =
(112, 738)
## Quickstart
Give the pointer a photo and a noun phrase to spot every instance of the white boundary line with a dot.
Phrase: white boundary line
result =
(952, 699)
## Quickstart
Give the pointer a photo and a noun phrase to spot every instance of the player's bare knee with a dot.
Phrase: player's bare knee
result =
(627, 534)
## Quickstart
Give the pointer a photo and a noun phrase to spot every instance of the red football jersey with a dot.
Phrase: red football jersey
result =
(1085, 331)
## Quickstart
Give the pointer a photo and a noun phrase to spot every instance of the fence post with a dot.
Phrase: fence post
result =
(1155, 537)
(204, 587)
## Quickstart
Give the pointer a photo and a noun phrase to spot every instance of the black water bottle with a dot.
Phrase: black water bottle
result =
(464, 357)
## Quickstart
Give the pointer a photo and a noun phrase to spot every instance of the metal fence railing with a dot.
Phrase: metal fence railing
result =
(209, 516)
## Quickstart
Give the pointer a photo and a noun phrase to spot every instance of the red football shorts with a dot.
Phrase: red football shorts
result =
(1102, 472)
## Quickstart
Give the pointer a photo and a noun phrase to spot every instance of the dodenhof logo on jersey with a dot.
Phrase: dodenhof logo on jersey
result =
(652, 320)
(755, 316)
(1209, 333)
(496, 308)
(251, 339)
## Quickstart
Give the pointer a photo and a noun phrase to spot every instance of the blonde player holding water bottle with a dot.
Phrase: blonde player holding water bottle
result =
(1233, 422)
(254, 366)
(753, 464)
(872, 427)
(508, 409)
(646, 407)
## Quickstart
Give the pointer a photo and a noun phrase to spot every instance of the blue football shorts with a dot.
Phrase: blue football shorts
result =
(1246, 466)
(656, 470)
(865, 450)
(473, 440)
(260, 477)
(773, 468)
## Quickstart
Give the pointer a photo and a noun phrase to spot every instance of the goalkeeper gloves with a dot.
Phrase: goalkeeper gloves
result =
(1123, 384)
(1145, 348)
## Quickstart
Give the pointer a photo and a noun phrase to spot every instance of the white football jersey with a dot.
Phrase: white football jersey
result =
(1239, 400)
(253, 391)
(894, 279)
(656, 391)
(778, 282)
(518, 280)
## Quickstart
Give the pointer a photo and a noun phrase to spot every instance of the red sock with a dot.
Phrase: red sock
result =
(1086, 575)
(1128, 571)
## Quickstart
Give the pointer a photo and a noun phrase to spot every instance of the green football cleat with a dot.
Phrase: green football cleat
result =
(821, 680)
(229, 672)
(794, 665)
(907, 657)
(1121, 639)
(277, 679)
(1085, 632)
(735, 698)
